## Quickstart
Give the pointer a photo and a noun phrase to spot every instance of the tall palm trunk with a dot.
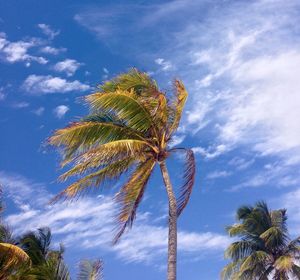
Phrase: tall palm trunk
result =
(172, 241)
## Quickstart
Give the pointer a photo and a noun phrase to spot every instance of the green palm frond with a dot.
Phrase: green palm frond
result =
(131, 195)
(91, 133)
(51, 269)
(133, 79)
(284, 263)
(238, 250)
(125, 106)
(236, 230)
(90, 270)
(37, 244)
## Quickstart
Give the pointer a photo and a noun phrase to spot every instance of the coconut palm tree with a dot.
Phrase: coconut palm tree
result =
(128, 130)
(264, 250)
(12, 257)
(90, 270)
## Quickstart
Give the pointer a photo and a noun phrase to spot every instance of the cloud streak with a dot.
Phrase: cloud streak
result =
(90, 222)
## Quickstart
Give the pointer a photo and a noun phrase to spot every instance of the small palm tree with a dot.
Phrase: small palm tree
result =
(264, 250)
(129, 129)
(90, 270)
(12, 257)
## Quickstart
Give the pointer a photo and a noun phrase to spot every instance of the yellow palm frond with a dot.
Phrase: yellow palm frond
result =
(90, 160)
(111, 171)
(12, 256)
(177, 107)
(284, 263)
(131, 195)
(108, 152)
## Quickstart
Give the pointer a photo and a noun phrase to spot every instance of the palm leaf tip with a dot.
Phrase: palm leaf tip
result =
(131, 195)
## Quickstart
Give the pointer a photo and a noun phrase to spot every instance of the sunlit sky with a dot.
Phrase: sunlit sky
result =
(240, 61)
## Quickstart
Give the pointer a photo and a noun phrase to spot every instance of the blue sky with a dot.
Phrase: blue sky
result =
(240, 61)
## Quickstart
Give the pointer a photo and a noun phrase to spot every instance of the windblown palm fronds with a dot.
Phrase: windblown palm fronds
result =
(128, 130)
(264, 250)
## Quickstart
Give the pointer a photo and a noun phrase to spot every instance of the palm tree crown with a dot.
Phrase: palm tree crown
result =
(264, 250)
(130, 125)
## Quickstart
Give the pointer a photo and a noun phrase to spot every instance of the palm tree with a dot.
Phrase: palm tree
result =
(264, 250)
(90, 270)
(46, 263)
(128, 130)
(12, 257)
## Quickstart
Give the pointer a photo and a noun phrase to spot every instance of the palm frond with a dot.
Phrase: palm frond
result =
(284, 263)
(125, 106)
(175, 110)
(90, 133)
(236, 230)
(134, 79)
(37, 244)
(238, 250)
(95, 179)
(90, 270)
(229, 272)
(108, 152)
(12, 256)
(131, 195)
(189, 179)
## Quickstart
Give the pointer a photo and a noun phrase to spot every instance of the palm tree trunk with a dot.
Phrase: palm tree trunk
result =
(172, 241)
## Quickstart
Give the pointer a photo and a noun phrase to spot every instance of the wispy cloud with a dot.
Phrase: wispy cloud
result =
(60, 111)
(39, 111)
(233, 73)
(38, 85)
(48, 31)
(20, 105)
(2, 94)
(90, 222)
(165, 65)
(218, 174)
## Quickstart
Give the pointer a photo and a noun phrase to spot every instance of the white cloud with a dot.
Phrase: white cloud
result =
(90, 222)
(68, 66)
(39, 111)
(48, 31)
(105, 70)
(17, 51)
(241, 163)
(20, 105)
(218, 174)
(277, 175)
(165, 65)
(52, 50)
(2, 94)
(60, 111)
(37, 85)
(212, 151)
